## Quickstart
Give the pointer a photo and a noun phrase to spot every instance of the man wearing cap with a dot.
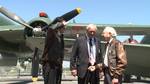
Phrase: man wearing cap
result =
(115, 60)
(53, 53)
(86, 57)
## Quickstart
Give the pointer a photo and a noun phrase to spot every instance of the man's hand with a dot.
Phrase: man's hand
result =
(115, 81)
(91, 68)
(64, 22)
(99, 66)
(74, 72)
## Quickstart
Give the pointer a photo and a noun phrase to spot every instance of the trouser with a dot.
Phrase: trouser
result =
(90, 77)
(108, 78)
(52, 75)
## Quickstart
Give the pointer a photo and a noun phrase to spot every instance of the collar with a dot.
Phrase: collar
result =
(111, 40)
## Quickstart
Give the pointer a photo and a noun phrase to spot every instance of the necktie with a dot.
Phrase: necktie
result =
(90, 42)
(91, 56)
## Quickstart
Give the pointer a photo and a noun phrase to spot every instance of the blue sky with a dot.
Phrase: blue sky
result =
(93, 11)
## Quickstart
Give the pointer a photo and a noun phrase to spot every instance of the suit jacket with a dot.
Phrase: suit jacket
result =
(117, 60)
(80, 57)
(54, 49)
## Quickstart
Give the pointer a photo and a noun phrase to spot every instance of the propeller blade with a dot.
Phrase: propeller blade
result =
(67, 16)
(14, 17)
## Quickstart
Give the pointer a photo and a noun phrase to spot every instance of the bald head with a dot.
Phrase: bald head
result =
(91, 30)
(91, 27)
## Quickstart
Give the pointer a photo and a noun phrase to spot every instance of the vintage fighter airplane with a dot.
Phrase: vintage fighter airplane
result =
(23, 41)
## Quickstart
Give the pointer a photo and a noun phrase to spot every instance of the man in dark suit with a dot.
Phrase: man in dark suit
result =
(86, 57)
(115, 60)
(53, 54)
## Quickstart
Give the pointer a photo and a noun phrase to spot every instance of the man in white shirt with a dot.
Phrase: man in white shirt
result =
(115, 59)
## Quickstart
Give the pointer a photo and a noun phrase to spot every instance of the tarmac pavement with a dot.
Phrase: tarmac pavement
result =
(65, 80)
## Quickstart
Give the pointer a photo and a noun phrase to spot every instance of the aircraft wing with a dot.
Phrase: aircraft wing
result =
(11, 33)
(9, 29)
(138, 56)
(79, 28)
(5, 21)
(122, 29)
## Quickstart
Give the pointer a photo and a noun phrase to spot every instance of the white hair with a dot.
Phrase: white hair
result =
(111, 30)
(91, 26)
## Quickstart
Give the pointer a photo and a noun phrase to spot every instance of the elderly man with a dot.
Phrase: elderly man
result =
(114, 59)
(86, 56)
